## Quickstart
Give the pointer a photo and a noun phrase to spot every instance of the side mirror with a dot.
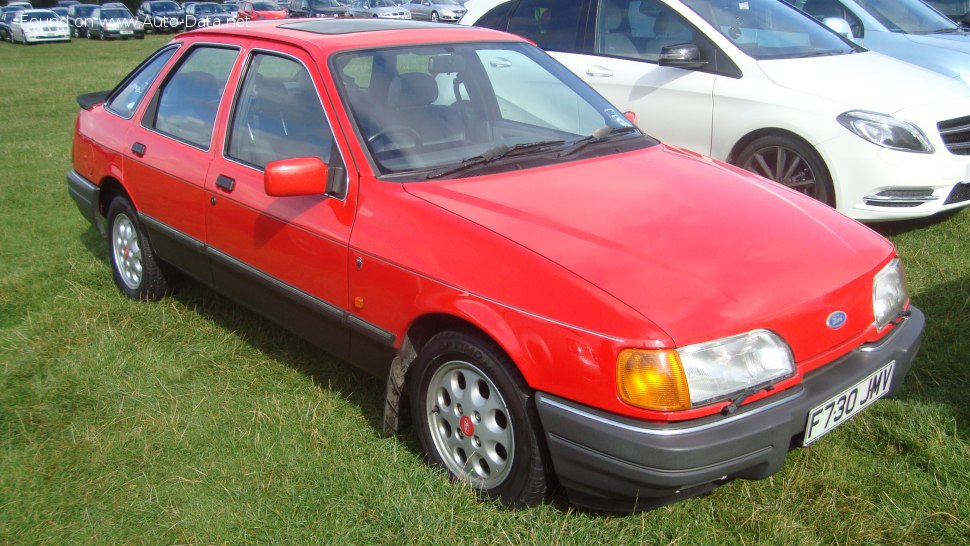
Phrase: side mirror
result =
(840, 26)
(681, 56)
(631, 116)
(296, 176)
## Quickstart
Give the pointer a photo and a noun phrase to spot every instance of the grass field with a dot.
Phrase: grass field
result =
(193, 421)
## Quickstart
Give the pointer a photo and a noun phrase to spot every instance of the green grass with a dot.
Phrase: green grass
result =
(193, 421)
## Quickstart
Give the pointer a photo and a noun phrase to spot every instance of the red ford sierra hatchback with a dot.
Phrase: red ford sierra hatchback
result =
(551, 295)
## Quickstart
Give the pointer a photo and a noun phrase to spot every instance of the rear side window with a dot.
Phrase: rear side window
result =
(278, 114)
(497, 18)
(552, 24)
(188, 102)
(126, 98)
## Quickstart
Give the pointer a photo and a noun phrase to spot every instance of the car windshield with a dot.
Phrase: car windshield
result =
(324, 4)
(442, 110)
(61, 12)
(909, 16)
(768, 29)
(84, 11)
(38, 15)
(382, 4)
(115, 13)
(266, 6)
(207, 8)
(165, 6)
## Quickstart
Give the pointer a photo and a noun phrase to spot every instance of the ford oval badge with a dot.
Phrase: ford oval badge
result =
(836, 320)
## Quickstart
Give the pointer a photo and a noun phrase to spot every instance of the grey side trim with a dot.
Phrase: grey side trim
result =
(371, 331)
(191, 242)
(667, 430)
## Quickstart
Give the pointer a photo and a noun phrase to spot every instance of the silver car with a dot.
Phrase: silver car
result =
(906, 29)
(436, 10)
(385, 9)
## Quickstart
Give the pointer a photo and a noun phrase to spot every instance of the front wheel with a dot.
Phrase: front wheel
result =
(136, 269)
(476, 418)
(434, 15)
(790, 162)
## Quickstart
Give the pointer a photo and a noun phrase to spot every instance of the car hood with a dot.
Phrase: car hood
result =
(700, 248)
(865, 81)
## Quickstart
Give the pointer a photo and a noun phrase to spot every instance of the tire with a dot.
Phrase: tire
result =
(74, 32)
(434, 16)
(101, 35)
(136, 270)
(476, 418)
(791, 162)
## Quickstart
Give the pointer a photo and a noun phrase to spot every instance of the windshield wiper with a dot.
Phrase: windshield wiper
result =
(496, 153)
(819, 54)
(600, 135)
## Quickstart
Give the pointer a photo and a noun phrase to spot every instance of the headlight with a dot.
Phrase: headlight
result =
(700, 374)
(889, 293)
(886, 131)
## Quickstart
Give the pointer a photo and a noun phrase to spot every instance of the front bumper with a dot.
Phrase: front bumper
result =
(612, 463)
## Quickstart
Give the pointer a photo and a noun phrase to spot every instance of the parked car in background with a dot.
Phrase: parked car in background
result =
(32, 26)
(385, 9)
(316, 8)
(232, 8)
(956, 10)
(161, 16)
(61, 13)
(115, 23)
(623, 366)
(114, 5)
(79, 18)
(20, 5)
(436, 10)
(67, 3)
(766, 87)
(906, 29)
(205, 14)
(259, 10)
(5, 19)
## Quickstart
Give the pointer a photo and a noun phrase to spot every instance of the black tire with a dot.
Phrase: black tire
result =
(434, 16)
(495, 444)
(101, 35)
(137, 272)
(791, 162)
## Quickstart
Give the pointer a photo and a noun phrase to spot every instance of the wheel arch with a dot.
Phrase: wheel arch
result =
(111, 187)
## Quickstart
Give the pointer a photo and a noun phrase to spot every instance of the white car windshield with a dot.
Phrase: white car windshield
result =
(37, 15)
(769, 29)
(440, 110)
(909, 16)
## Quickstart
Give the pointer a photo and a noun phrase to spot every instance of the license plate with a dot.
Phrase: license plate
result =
(841, 407)
(127, 32)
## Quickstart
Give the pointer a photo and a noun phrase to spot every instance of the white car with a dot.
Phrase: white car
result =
(385, 9)
(766, 87)
(39, 25)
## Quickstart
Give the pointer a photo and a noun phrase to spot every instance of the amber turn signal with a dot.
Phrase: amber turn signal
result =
(652, 380)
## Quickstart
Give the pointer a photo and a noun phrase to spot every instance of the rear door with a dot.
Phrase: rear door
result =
(167, 154)
(285, 256)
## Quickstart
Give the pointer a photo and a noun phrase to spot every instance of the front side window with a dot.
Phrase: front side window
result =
(552, 24)
(769, 29)
(126, 98)
(189, 100)
(278, 114)
(431, 111)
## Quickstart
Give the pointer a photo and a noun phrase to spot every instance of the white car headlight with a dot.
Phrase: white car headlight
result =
(886, 131)
(889, 294)
(695, 375)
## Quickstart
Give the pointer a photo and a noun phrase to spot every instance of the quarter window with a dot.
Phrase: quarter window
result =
(278, 114)
(126, 99)
(190, 99)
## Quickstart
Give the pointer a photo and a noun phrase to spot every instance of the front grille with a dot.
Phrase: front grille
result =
(956, 135)
(959, 194)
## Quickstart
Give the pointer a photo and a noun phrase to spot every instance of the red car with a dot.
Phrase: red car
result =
(260, 9)
(551, 295)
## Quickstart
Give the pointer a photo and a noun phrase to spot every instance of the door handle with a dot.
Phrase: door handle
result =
(598, 72)
(138, 149)
(225, 183)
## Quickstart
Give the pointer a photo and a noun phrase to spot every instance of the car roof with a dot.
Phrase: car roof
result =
(329, 35)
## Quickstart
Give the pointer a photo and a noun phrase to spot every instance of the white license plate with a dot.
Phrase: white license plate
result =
(841, 407)
(127, 32)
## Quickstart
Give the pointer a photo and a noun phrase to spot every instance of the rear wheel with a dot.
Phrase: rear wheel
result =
(476, 418)
(790, 162)
(136, 269)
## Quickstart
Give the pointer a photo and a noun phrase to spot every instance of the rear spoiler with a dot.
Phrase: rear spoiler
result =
(90, 100)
